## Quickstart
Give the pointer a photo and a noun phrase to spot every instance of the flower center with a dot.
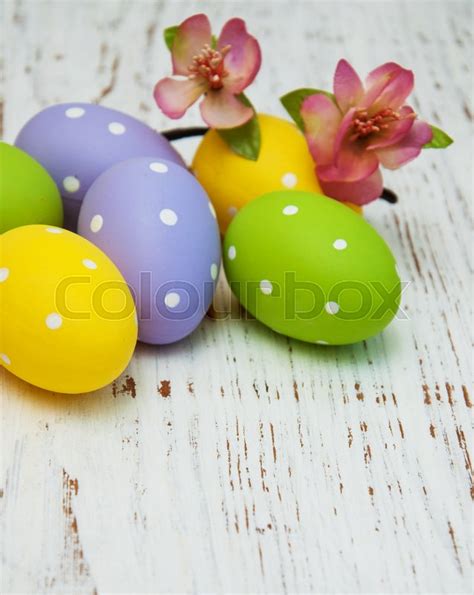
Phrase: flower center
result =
(362, 125)
(209, 64)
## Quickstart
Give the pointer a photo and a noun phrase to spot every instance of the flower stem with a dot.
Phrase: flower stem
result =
(389, 196)
(177, 133)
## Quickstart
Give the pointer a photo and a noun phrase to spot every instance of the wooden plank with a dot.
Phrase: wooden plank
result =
(238, 460)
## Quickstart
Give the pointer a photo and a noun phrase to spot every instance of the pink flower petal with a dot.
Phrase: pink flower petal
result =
(408, 148)
(347, 86)
(175, 96)
(344, 129)
(355, 163)
(222, 109)
(321, 119)
(192, 35)
(387, 86)
(381, 72)
(352, 161)
(395, 131)
(359, 193)
(244, 58)
(396, 92)
(376, 82)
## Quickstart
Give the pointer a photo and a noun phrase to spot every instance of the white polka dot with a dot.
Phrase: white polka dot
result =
(96, 223)
(289, 180)
(214, 271)
(232, 211)
(172, 299)
(340, 244)
(232, 252)
(71, 184)
(4, 272)
(266, 287)
(53, 321)
(158, 168)
(54, 230)
(75, 112)
(89, 264)
(332, 307)
(321, 342)
(5, 359)
(212, 209)
(168, 217)
(290, 210)
(116, 128)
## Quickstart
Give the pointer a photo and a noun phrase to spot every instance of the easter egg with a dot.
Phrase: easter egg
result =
(28, 194)
(68, 319)
(76, 142)
(232, 181)
(156, 223)
(310, 268)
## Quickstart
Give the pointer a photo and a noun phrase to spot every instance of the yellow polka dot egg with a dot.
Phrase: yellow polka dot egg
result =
(231, 181)
(68, 318)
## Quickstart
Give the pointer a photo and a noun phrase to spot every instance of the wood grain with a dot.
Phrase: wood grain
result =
(239, 460)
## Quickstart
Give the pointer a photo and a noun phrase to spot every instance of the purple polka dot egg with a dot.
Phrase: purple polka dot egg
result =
(76, 142)
(156, 223)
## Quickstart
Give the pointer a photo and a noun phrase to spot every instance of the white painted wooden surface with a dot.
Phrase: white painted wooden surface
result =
(238, 460)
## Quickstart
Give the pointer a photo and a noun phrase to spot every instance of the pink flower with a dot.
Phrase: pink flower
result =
(220, 73)
(364, 127)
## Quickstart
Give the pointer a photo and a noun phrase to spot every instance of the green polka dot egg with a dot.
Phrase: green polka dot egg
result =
(310, 268)
(28, 194)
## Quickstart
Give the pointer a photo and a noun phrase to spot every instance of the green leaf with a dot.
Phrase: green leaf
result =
(293, 100)
(169, 34)
(440, 139)
(244, 140)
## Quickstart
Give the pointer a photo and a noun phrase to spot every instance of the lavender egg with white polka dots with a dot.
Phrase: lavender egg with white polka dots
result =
(76, 142)
(155, 221)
